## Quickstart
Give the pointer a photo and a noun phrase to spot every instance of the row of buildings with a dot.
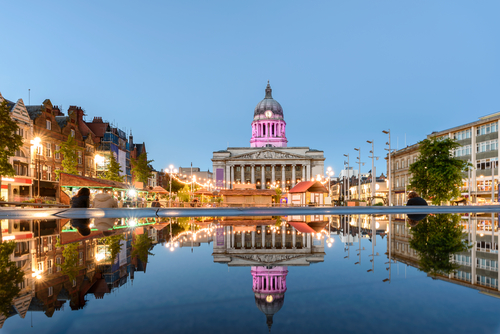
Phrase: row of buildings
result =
(479, 146)
(44, 128)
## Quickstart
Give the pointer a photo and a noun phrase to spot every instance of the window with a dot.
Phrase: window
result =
(72, 133)
(462, 151)
(50, 291)
(80, 161)
(247, 169)
(268, 168)
(49, 173)
(278, 168)
(487, 163)
(397, 165)
(238, 169)
(58, 155)
(74, 282)
(465, 134)
(48, 150)
(397, 182)
(257, 169)
(487, 128)
(297, 168)
(402, 164)
(485, 146)
(287, 168)
(48, 124)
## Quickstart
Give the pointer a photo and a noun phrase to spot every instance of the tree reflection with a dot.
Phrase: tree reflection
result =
(70, 254)
(435, 238)
(142, 246)
(10, 277)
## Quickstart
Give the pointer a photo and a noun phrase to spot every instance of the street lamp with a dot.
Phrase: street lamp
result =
(388, 132)
(37, 146)
(348, 176)
(330, 173)
(359, 172)
(171, 170)
(373, 169)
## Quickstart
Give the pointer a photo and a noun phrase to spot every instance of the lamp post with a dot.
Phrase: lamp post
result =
(330, 173)
(373, 169)
(348, 176)
(37, 146)
(170, 170)
(359, 172)
(388, 132)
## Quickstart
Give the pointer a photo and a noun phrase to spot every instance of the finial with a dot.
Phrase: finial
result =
(268, 91)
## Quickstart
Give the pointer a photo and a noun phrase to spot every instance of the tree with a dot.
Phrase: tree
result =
(141, 247)
(10, 276)
(176, 185)
(114, 245)
(141, 168)
(113, 171)
(435, 239)
(436, 175)
(10, 140)
(69, 151)
(277, 197)
(70, 254)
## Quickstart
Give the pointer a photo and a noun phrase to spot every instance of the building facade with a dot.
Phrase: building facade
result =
(268, 161)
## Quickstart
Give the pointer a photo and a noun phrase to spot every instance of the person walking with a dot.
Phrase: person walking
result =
(156, 203)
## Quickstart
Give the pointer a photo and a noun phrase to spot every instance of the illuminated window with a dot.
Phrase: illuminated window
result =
(48, 125)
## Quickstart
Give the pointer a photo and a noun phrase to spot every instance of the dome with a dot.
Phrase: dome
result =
(268, 104)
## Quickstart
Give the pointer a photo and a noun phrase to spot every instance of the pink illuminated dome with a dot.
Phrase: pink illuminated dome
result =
(269, 287)
(268, 126)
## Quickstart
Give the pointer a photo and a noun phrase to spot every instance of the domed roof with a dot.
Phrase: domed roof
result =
(270, 306)
(268, 104)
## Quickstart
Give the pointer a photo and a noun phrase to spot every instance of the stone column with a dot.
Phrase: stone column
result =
(292, 183)
(294, 239)
(273, 179)
(263, 231)
(283, 179)
(303, 176)
(232, 177)
(242, 174)
(242, 239)
(227, 177)
(304, 240)
(283, 236)
(263, 177)
(232, 238)
(253, 239)
(228, 236)
(273, 233)
(253, 174)
(308, 172)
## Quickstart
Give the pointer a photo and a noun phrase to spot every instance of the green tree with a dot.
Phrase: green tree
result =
(70, 254)
(184, 193)
(176, 185)
(141, 168)
(113, 171)
(142, 246)
(435, 238)
(10, 141)
(69, 149)
(10, 277)
(277, 197)
(113, 243)
(436, 175)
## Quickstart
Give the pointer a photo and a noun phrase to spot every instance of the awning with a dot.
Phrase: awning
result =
(302, 227)
(70, 180)
(159, 190)
(309, 186)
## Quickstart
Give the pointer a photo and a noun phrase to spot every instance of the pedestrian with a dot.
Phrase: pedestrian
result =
(104, 200)
(81, 200)
(156, 203)
(414, 199)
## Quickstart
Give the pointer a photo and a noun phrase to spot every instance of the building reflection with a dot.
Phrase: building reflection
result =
(39, 252)
(269, 245)
(476, 268)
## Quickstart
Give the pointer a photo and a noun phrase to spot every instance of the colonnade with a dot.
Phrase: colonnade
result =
(269, 129)
(305, 237)
(231, 174)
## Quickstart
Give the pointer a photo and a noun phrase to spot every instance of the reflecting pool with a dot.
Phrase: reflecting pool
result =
(346, 274)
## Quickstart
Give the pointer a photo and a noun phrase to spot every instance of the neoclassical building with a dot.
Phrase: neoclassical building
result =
(268, 160)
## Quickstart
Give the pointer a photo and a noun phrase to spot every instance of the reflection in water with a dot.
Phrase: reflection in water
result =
(435, 239)
(62, 267)
(10, 277)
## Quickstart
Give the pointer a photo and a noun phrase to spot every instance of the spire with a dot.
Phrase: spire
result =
(268, 91)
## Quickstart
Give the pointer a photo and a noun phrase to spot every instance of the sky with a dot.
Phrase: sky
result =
(185, 76)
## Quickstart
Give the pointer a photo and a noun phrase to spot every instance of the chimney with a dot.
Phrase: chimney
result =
(97, 120)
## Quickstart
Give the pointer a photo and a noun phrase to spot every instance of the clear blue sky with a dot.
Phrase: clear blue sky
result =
(185, 76)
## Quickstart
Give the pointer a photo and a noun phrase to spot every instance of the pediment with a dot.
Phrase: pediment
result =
(268, 154)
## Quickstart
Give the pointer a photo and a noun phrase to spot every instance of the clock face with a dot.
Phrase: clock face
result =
(268, 113)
